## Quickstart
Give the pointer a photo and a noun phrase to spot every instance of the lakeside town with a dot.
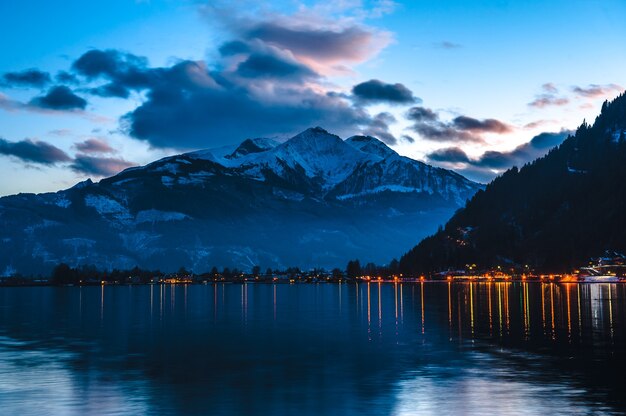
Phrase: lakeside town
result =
(609, 268)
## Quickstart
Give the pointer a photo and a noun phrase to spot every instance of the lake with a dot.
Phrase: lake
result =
(431, 348)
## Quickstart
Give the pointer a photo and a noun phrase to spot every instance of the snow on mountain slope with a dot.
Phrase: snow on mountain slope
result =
(315, 153)
(313, 201)
(371, 145)
(250, 146)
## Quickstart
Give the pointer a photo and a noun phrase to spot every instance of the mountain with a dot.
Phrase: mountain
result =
(314, 200)
(554, 213)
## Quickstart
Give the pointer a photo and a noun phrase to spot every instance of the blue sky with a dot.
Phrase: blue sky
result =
(464, 85)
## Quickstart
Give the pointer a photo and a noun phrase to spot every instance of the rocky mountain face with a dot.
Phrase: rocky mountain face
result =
(552, 214)
(312, 201)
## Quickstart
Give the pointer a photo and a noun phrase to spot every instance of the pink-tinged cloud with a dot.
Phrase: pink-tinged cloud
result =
(327, 43)
(320, 44)
(598, 91)
(545, 100)
(94, 145)
(550, 88)
(429, 126)
(99, 166)
(538, 123)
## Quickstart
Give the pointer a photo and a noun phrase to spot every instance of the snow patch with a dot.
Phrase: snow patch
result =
(168, 181)
(62, 202)
(382, 188)
(154, 215)
(171, 167)
(109, 207)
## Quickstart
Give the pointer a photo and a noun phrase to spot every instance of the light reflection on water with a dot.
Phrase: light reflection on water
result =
(390, 349)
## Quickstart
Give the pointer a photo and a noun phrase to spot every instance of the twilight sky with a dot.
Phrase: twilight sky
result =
(90, 88)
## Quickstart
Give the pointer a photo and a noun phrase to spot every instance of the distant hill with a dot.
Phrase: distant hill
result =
(553, 213)
(312, 201)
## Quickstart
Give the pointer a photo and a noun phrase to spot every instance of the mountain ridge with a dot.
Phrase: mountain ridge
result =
(314, 200)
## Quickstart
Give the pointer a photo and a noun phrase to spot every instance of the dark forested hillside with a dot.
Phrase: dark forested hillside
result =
(553, 213)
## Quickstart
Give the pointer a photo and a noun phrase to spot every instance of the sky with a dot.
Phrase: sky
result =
(90, 88)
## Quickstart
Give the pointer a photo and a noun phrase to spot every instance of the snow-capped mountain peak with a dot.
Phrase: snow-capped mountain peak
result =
(250, 146)
(371, 145)
(314, 200)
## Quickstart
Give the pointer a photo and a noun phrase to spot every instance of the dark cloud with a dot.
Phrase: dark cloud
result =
(180, 113)
(407, 138)
(491, 162)
(110, 62)
(59, 98)
(378, 91)
(442, 132)
(450, 155)
(94, 146)
(379, 128)
(234, 47)
(124, 71)
(548, 140)
(486, 126)
(273, 66)
(189, 106)
(33, 151)
(268, 79)
(27, 78)
(65, 77)
(99, 166)
(111, 89)
(428, 125)
(422, 114)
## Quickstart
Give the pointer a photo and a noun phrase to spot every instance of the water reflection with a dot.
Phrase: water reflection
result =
(369, 348)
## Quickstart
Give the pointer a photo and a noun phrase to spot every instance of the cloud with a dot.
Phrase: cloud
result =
(379, 128)
(549, 87)
(353, 44)
(549, 97)
(8, 104)
(485, 126)
(490, 163)
(450, 155)
(429, 126)
(327, 37)
(268, 78)
(124, 71)
(33, 151)
(94, 145)
(597, 91)
(422, 114)
(181, 113)
(546, 100)
(267, 75)
(65, 77)
(378, 91)
(447, 45)
(98, 166)
(59, 98)
(273, 66)
(27, 78)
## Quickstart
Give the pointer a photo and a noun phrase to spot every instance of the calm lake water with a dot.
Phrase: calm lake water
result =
(314, 349)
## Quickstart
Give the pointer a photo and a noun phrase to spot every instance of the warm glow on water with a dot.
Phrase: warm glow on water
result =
(374, 348)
